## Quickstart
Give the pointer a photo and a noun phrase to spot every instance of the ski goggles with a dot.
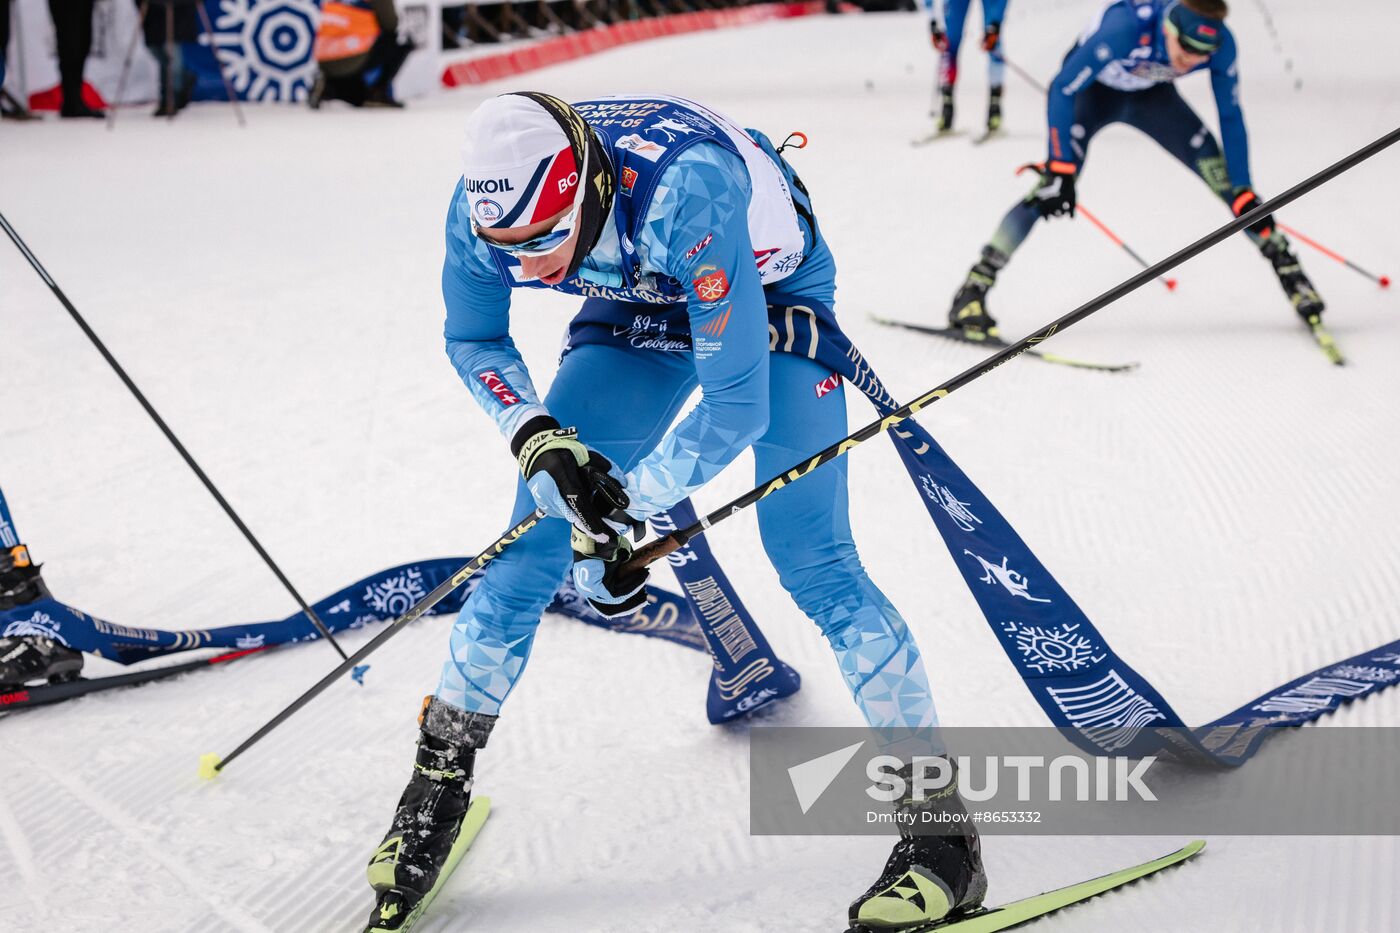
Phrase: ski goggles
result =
(1196, 33)
(541, 245)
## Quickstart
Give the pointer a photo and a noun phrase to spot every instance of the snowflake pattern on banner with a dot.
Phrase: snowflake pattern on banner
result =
(397, 594)
(1055, 649)
(265, 46)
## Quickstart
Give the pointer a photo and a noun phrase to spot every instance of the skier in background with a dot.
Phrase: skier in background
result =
(948, 43)
(690, 239)
(1123, 71)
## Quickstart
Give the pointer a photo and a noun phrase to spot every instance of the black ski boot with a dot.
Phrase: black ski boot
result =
(20, 581)
(406, 865)
(30, 652)
(25, 659)
(994, 111)
(969, 311)
(1295, 284)
(934, 871)
(945, 112)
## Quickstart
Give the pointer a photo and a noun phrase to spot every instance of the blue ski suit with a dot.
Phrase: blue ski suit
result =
(709, 229)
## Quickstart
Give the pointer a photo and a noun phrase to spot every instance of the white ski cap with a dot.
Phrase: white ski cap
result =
(518, 166)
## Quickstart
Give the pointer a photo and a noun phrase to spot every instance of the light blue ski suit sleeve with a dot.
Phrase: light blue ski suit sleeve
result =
(478, 324)
(1225, 82)
(697, 232)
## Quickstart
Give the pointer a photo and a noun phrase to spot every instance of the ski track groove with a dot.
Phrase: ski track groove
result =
(126, 827)
(23, 858)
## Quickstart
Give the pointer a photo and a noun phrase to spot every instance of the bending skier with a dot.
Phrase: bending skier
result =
(1123, 71)
(947, 45)
(697, 252)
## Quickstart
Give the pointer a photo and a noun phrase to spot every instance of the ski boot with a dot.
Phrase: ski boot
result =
(1295, 284)
(994, 111)
(31, 653)
(935, 870)
(406, 865)
(945, 112)
(969, 311)
(28, 658)
(20, 581)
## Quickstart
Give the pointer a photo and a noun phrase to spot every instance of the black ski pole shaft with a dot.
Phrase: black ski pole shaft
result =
(1103, 228)
(659, 548)
(211, 764)
(169, 434)
(1023, 74)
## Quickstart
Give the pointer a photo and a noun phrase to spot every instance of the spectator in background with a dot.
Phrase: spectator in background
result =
(72, 26)
(167, 25)
(359, 52)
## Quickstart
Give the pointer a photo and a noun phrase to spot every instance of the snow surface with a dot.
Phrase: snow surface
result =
(1228, 514)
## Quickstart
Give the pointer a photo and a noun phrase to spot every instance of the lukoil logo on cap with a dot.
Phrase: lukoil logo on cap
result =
(526, 195)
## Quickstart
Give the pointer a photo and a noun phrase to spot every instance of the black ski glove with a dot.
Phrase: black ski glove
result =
(1246, 200)
(569, 481)
(937, 36)
(1055, 194)
(991, 37)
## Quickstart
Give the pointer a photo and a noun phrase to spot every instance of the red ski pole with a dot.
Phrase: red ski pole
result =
(1382, 280)
(1081, 209)
(1170, 283)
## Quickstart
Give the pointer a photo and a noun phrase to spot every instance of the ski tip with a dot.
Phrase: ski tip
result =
(1194, 846)
(357, 673)
(1385, 281)
(209, 766)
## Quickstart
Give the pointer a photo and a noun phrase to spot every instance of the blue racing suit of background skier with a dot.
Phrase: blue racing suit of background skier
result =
(949, 42)
(1121, 71)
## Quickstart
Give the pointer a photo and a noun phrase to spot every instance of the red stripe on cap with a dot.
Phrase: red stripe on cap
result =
(558, 188)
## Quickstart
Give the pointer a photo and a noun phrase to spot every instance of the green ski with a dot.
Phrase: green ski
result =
(1030, 908)
(1325, 342)
(472, 822)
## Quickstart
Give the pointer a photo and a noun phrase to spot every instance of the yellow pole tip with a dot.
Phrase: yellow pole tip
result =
(209, 766)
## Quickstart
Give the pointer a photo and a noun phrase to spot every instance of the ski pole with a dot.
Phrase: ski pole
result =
(169, 434)
(211, 764)
(1169, 283)
(1382, 280)
(1023, 74)
(660, 547)
(1088, 215)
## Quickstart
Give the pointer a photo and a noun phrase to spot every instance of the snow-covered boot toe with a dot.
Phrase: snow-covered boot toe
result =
(405, 867)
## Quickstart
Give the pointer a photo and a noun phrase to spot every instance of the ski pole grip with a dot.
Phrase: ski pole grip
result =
(651, 552)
